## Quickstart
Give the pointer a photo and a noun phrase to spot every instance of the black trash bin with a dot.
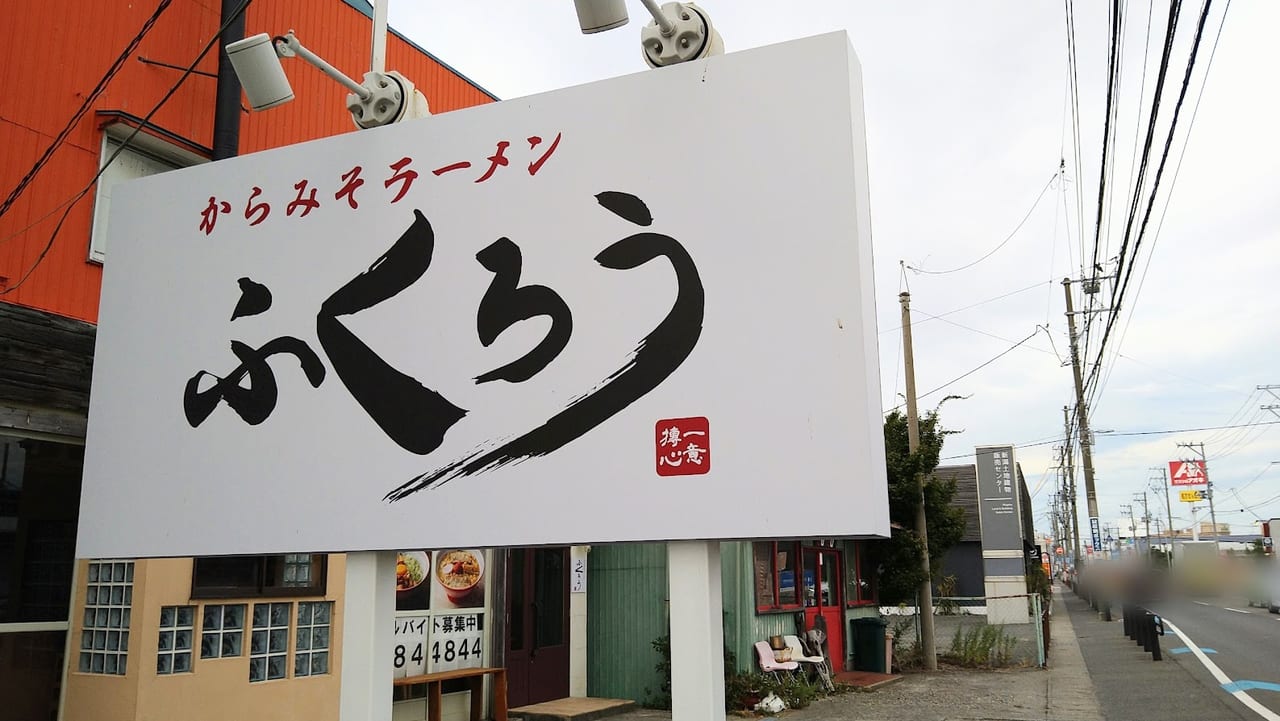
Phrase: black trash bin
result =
(868, 644)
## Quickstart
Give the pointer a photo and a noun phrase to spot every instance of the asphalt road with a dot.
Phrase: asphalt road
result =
(1242, 642)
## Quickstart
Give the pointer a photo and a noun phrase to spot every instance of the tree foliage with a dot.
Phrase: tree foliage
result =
(898, 558)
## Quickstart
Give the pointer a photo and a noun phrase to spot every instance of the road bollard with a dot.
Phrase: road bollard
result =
(1157, 630)
(1140, 628)
(1126, 611)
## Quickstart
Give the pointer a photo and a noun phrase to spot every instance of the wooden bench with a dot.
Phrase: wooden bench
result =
(475, 677)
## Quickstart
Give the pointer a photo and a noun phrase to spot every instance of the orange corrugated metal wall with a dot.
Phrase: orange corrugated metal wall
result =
(52, 54)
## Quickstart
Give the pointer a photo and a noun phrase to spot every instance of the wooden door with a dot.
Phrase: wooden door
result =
(537, 643)
(823, 594)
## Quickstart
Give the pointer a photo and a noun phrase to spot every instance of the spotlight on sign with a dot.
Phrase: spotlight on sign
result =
(679, 32)
(383, 98)
(596, 16)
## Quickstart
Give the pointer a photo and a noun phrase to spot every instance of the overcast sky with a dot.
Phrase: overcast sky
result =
(968, 117)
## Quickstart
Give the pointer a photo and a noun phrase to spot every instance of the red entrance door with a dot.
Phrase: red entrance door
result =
(537, 615)
(824, 598)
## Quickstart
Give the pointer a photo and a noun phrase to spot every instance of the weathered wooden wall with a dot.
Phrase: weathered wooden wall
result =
(46, 362)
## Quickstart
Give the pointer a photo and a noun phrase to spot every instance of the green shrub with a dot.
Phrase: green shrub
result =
(982, 646)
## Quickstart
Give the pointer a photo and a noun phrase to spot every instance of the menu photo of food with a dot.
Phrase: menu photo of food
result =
(457, 579)
(413, 593)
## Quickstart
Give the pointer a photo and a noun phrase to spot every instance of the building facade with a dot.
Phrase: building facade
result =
(170, 638)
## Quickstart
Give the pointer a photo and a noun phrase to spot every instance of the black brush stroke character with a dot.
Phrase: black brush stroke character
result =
(412, 415)
(656, 357)
(505, 303)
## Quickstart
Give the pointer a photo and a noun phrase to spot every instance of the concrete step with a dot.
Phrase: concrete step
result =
(572, 709)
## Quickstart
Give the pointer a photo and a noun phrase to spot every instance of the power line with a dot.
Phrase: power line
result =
(1108, 131)
(1073, 75)
(980, 332)
(973, 305)
(966, 374)
(70, 205)
(1122, 434)
(1186, 82)
(1004, 242)
(89, 100)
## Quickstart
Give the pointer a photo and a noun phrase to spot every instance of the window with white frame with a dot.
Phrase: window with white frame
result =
(269, 641)
(177, 634)
(104, 639)
(131, 164)
(222, 630)
(311, 648)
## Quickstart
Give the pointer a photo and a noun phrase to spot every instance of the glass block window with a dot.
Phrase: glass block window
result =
(269, 641)
(177, 633)
(297, 570)
(222, 631)
(311, 648)
(104, 639)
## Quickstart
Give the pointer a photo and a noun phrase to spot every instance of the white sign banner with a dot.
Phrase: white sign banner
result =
(457, 641)
(411, 636)
(651, 294)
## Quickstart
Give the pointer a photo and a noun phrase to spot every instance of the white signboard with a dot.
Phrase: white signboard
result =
(651, 294)
(411, 637)
(457, 641)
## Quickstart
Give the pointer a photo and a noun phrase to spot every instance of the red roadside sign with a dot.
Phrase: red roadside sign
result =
(1187, 473)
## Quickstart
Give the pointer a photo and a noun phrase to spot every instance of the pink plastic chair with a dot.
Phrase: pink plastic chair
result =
(768, 664)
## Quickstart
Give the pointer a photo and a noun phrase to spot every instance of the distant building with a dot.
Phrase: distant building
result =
(964, 561)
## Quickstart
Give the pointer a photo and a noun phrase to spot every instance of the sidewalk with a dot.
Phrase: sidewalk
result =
(1132, 687)
(1063, 692)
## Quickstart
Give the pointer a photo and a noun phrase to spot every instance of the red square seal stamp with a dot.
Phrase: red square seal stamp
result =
(683, 446)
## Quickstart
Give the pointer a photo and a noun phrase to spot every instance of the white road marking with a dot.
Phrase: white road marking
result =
(1241, 696)
(1234, 609)
(1202, 603)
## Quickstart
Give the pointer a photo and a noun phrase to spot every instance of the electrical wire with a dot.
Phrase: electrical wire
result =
(1073, 71)
(973, 305)
(1250, 482)
(88, 102)
(124, 144)
(980, 332)
(1002, 244)
(1108, 124)
(970, 372)
(1172, 184)
(1186, 81)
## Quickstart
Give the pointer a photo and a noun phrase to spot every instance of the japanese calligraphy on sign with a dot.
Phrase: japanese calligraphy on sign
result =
(578, 570)
(416, 335)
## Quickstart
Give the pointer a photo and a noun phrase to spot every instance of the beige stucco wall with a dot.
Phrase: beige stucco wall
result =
(217, 689)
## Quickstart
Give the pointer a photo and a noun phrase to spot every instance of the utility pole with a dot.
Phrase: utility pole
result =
(1213, 516)
(1168, 508)
(1133, 528)
(1275, 409)
(1146, 519)
(1071, 495)
(927, 642)
(1082, 417)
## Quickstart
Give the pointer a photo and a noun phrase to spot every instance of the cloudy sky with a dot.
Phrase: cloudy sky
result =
(969, 116)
